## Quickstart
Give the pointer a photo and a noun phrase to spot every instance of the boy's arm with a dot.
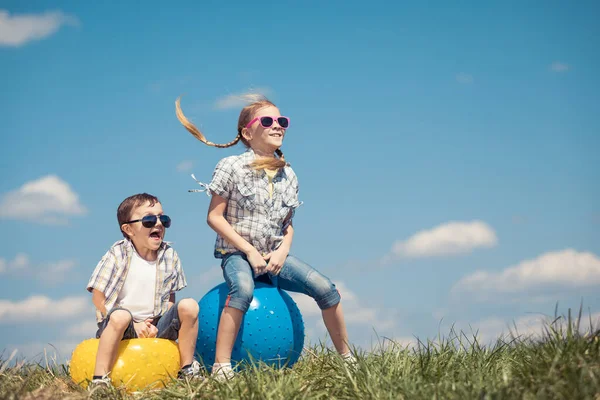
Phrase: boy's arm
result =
(171, 300)
(99, 300)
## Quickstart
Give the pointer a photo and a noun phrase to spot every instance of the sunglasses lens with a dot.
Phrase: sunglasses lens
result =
(266, 121)
(283, 122)
(165, 220)
(149, 221)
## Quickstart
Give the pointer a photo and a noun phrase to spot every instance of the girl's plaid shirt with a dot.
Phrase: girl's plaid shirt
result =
(111, 271)
(255, 214)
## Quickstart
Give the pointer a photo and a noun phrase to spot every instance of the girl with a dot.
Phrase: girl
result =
(254, 197)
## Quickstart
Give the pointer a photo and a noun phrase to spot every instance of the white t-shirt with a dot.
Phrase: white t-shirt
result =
(137, 294)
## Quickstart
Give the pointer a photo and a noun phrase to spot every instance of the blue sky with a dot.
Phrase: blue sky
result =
(447, 156)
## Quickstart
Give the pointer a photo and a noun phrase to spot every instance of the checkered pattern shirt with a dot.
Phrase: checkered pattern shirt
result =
(253, 213)
(111, 272)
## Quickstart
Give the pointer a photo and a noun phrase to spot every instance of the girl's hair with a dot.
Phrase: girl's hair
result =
(256, 102)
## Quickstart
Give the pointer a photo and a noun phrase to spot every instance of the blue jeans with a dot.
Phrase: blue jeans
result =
(167, 324)
(295, 276)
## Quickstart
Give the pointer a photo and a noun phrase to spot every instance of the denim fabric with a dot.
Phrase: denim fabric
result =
(295, 276)
(168, 324)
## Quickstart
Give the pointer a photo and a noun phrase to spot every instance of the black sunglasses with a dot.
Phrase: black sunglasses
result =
(150, 220)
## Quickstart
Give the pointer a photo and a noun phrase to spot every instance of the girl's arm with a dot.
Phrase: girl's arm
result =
(277, 258)
(219, 224)
(288, 236)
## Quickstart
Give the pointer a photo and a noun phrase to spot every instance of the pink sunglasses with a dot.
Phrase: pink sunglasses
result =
(267, 122)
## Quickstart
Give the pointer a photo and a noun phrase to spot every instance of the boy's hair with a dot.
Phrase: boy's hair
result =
(126, 207)
(256, 102)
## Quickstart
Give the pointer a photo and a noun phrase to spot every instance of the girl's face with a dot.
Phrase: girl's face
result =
(264, 141)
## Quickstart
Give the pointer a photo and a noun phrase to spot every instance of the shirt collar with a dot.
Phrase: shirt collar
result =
(130, 248)
(248, 156)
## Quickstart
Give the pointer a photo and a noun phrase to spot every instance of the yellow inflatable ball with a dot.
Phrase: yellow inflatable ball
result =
(147, 363)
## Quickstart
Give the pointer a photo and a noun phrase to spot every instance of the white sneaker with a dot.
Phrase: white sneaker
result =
(222, 372)
(350, 361)
(191, 372)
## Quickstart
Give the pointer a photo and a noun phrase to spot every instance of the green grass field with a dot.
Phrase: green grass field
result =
(562, 364)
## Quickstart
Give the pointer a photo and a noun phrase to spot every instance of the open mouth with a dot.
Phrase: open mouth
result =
(277, 135)
(156, 235)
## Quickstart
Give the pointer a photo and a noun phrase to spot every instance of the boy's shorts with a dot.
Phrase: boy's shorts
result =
(167, 324)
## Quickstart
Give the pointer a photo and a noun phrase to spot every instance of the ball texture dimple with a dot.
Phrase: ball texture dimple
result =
(141, 363)
(272, 312)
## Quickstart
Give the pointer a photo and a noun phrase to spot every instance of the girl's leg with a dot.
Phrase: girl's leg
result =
(297, 276)
(229, 326)
(238, 275)
(333, 317)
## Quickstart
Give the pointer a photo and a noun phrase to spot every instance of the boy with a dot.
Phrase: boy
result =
(133, 289)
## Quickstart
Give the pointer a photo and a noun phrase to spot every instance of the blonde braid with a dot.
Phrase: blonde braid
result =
(270, 163)
(196, 132)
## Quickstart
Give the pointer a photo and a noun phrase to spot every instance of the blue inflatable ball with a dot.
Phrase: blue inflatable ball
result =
(272, 329)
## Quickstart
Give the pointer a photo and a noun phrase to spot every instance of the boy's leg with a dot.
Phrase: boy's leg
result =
(117, 325)
(297, 276)
(181, 322)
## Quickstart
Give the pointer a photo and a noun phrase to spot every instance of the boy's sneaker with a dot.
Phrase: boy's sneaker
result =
(190, 371)
(100, 383)
(222, 372)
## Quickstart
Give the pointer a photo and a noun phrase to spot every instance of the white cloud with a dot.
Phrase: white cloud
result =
(86, 329)
(559, 67)
(238, 100)
(53, 352)
(17, 30)
(354, 312)
(60, 267)
(464, 78)
(567, 268)
(530, 326)
(51, 272)
(19, 264)
(185, 166)
(446, 239)
(46, 200)
(42, 308)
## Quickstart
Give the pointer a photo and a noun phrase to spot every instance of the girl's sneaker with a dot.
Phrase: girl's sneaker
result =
(222, 372)
(350, 361)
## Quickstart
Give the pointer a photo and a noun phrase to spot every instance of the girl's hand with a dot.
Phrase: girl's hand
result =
(257, 262)
(276, 260)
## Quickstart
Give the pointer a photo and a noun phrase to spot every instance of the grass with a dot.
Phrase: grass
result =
(562, 364)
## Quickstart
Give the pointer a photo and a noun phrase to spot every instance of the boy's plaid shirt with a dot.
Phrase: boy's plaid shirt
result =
(253, 213)
(111, 271)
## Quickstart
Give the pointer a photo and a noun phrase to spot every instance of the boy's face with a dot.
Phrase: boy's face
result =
(145, 238)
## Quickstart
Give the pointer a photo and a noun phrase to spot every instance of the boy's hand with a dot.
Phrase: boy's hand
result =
(145, 329)
(276, 259)
(152, 330)
(257, 262)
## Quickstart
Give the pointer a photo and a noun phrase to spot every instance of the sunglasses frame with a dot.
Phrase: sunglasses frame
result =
(156, 218)
(269, 116)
